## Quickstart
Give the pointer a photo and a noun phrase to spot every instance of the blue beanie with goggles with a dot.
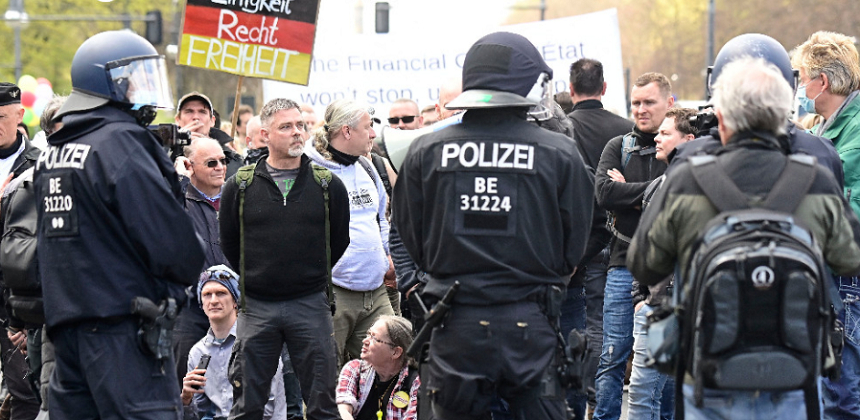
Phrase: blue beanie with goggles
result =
(222, 275)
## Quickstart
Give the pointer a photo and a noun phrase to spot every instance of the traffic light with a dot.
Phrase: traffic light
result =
(382, 9)
(153, 27)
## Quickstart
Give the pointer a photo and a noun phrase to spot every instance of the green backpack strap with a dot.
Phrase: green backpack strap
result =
(323, 177)
(244, 177)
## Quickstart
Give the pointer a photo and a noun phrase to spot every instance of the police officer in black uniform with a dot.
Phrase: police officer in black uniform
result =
(111, 229)
(796, 140)
(504, 207)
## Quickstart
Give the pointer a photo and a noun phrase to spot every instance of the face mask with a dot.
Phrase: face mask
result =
(805, 102)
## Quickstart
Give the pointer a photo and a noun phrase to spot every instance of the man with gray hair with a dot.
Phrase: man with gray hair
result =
(281, 247)
(751, 101)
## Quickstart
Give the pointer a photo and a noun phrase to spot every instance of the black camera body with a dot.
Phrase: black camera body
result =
(704, 120)
(173, 138)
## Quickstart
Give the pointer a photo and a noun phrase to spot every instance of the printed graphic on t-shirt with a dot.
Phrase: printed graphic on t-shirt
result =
(360, 199)
(285, 186)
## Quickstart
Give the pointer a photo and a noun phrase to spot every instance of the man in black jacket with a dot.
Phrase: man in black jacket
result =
(17, 155)
(284, 247)
(517, 212)
(594, 127)
(627, 165)
(112, 230)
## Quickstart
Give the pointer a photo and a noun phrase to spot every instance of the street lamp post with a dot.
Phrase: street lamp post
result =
(709, 60)
(16, 18)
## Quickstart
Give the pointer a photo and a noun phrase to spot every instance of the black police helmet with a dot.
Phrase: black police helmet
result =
(502, 69)
(756, 46)
(117, 67)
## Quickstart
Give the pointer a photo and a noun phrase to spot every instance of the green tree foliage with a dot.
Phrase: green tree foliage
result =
(670, 36)
(47, 47)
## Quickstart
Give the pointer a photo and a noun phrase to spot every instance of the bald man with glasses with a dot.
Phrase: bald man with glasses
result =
(404, 115)
(202, 171)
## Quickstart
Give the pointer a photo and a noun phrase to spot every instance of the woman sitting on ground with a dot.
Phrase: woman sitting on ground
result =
(384, 383)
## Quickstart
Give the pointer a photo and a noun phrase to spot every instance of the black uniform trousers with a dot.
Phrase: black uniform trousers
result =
(482, 351)
(102, 373)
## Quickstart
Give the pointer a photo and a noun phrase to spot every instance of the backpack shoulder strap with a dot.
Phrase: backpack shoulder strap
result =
(628, 146)
(792, 185)
(366, 165)
(323, 177)
(244, 177)
(379, 164)
(716, 184)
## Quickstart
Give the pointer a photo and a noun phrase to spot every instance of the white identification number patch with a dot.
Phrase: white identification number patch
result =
(486, 197)
(487, 203)
(491, 203)
(59, 217)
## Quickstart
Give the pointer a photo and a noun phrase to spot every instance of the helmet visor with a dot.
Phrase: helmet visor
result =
(542, 94)
(140, 81)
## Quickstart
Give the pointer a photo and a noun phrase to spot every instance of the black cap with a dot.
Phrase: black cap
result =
(499, 71)
(10, 93)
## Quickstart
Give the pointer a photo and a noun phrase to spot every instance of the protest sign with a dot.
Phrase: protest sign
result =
(379, 69)
(271, 39)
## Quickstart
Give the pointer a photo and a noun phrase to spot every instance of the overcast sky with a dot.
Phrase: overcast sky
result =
(418, 18)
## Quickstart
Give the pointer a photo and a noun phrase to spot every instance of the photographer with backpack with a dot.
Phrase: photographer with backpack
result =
(755, 334)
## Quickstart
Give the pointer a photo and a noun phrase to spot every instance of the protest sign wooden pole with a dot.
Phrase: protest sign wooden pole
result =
(236, 106)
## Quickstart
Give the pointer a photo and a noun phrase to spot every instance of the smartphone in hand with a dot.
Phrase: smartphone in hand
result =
(203, 364)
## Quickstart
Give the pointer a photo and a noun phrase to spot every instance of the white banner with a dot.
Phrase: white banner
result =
(379, 69)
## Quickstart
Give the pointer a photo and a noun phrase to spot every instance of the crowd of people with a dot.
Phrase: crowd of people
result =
(285, 272)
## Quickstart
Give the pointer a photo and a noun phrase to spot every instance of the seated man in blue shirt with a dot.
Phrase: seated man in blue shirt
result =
(207, 393)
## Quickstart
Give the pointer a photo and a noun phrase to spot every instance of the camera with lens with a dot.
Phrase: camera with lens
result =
(173, 138)
(704, 120)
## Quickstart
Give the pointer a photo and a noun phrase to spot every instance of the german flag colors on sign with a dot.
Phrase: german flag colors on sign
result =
(269, 39)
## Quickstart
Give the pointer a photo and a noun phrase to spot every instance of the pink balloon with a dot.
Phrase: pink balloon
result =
(44, 81)
(27, 99)
(44, 92)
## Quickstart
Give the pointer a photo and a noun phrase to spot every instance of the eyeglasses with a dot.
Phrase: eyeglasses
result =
(373, 337)
(406, 120)
(214, 162)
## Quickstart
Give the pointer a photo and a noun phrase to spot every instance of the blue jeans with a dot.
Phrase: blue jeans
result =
(842, 398)
(651, 393)
(573, 317)
(747, 405)
(595, 285)
(617, 343)
(292, 388)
